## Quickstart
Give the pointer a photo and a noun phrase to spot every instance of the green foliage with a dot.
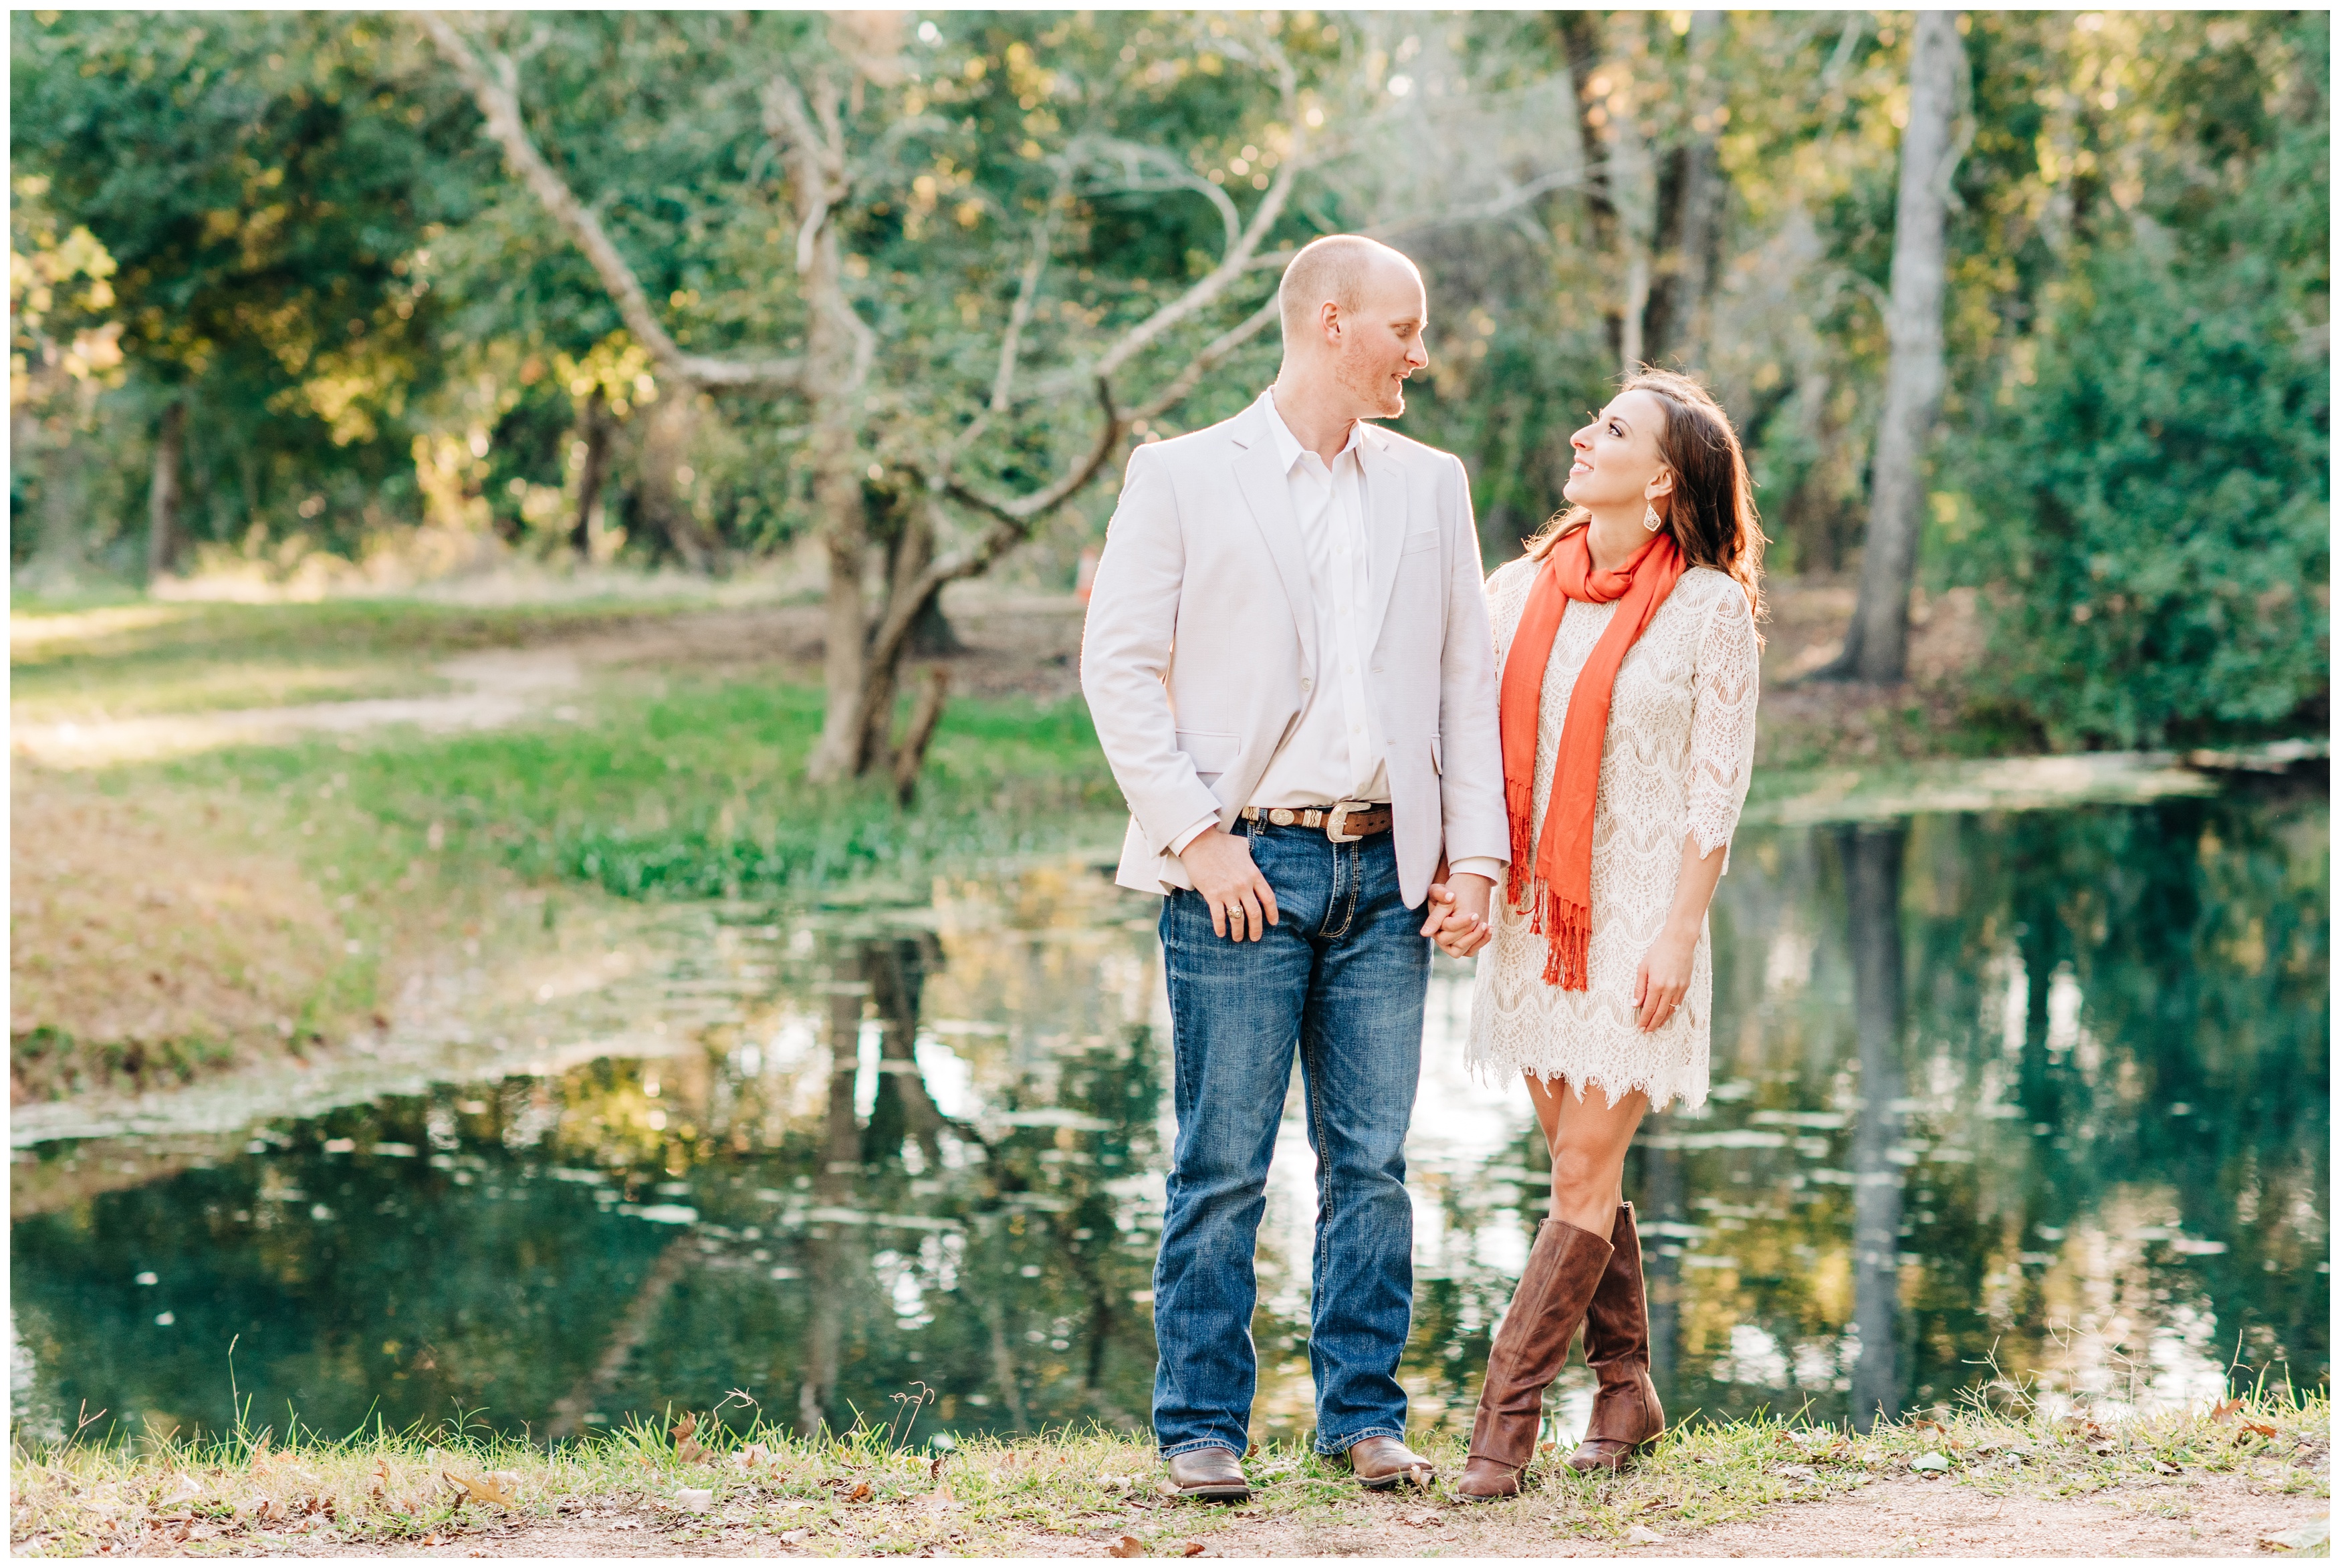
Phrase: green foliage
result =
(2147, 501)
(262, 186)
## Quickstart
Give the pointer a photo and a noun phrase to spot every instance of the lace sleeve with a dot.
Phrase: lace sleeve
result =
(1721, 722)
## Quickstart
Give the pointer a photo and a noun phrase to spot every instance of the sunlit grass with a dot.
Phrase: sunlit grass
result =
(695, 790)
(864, 1493)
(149, 658)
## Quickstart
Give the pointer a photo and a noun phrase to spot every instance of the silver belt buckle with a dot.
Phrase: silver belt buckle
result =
(1337, 819)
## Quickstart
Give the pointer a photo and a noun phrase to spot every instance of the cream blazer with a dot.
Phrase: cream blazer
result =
(1200, 645)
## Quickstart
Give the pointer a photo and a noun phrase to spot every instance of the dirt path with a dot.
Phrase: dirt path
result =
(2227, 1515)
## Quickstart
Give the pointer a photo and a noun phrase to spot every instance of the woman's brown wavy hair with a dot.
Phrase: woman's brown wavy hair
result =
(1712, 513)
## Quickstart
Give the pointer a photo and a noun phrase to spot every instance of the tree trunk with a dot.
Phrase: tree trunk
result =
(1633, 189)
(594, 426)
(843, 750)
(1873, 874)
(162, 499)
(1677, 325)
(1876, 646)
(666, 479)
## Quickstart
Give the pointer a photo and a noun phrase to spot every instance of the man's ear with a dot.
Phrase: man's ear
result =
(1328, 320)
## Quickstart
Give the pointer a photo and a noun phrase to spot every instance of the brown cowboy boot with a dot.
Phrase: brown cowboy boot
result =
(1626, 1414)
(1530, 1348)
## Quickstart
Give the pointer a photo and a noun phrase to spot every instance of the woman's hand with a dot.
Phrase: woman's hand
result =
(1663, 977)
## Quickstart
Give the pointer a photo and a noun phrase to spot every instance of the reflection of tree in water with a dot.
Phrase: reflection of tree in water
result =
(1872, 879)
(1014, 1306)
(2115, 1021)
(830, 1259)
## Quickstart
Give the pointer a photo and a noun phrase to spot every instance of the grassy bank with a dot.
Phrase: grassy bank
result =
(861, 1495)
(245, 904)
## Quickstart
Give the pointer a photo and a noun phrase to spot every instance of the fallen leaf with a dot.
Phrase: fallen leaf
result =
(1929, 1463)
(860, 1494)
(626, 1525)
(694, 1499)
(793, 1537)
(2299, 1537)
(499, 1488)
(1127, 1546)
(1167, 1490)
(1797, 1472)
(1193, 1549)
(940, 1501)
(2225, 1409)
(751, 1456)
(431, 1541)
(687, 1447)
(1643, 1535)
(2260, 1427)
(2159, 1468)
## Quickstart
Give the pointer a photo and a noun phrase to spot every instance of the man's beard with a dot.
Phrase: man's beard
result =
(1381, 392)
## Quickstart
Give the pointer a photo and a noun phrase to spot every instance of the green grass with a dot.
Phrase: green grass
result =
(697, 791)
(862, 1493)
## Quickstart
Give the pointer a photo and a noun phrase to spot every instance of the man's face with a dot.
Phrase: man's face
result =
(1381, 341)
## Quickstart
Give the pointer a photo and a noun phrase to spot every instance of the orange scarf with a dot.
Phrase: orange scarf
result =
(1563, 855)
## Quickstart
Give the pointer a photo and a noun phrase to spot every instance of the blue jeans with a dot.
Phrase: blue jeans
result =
(1341, 977)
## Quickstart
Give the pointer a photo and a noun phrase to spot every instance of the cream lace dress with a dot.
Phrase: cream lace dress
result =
(1680, 747)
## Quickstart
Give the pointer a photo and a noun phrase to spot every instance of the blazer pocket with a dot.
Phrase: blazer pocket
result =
(1421, 541)
(1211, 751)
(1437, 758)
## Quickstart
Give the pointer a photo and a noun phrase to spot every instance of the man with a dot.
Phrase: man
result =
(1288, 661)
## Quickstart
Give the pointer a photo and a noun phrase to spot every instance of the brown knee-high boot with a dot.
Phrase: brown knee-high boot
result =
(1530, 1348)
(1625, 1412)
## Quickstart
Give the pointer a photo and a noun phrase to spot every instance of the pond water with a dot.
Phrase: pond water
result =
(2031, 1101)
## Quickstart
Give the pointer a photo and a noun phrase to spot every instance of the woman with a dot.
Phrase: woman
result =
(1628, 646)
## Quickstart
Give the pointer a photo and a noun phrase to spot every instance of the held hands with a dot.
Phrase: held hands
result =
(1457, 915)
(1220, 866)
(1663, 977)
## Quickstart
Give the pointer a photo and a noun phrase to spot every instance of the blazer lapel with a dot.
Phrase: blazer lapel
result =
(1268, 493)
(1384, 531)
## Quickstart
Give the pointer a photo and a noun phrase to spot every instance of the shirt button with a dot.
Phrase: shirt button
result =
(1305, 684)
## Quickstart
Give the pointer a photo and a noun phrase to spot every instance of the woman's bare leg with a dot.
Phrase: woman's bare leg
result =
(1588, 1139)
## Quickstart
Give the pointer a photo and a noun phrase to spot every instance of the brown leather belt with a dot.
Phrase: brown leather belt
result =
(1345, 822)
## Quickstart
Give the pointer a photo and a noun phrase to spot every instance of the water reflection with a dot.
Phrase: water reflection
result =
(2047, 1088)
(1871, 858)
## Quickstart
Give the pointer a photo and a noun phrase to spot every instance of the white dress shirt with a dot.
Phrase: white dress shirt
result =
(1335, 752)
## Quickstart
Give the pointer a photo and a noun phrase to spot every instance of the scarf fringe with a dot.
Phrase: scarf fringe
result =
(1523, 835)
(1568, 941)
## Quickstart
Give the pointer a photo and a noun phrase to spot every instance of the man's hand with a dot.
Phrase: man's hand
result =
(1220, 866)
(1457, 919)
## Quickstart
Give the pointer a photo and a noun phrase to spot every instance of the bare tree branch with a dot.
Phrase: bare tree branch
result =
(818, 165)
(1219, 349)
(498, 97)
(1027, 294)
(1204, 290)
(1175, 176)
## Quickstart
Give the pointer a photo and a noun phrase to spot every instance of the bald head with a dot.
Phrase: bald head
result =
(1354, 317)
(1336, 270)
